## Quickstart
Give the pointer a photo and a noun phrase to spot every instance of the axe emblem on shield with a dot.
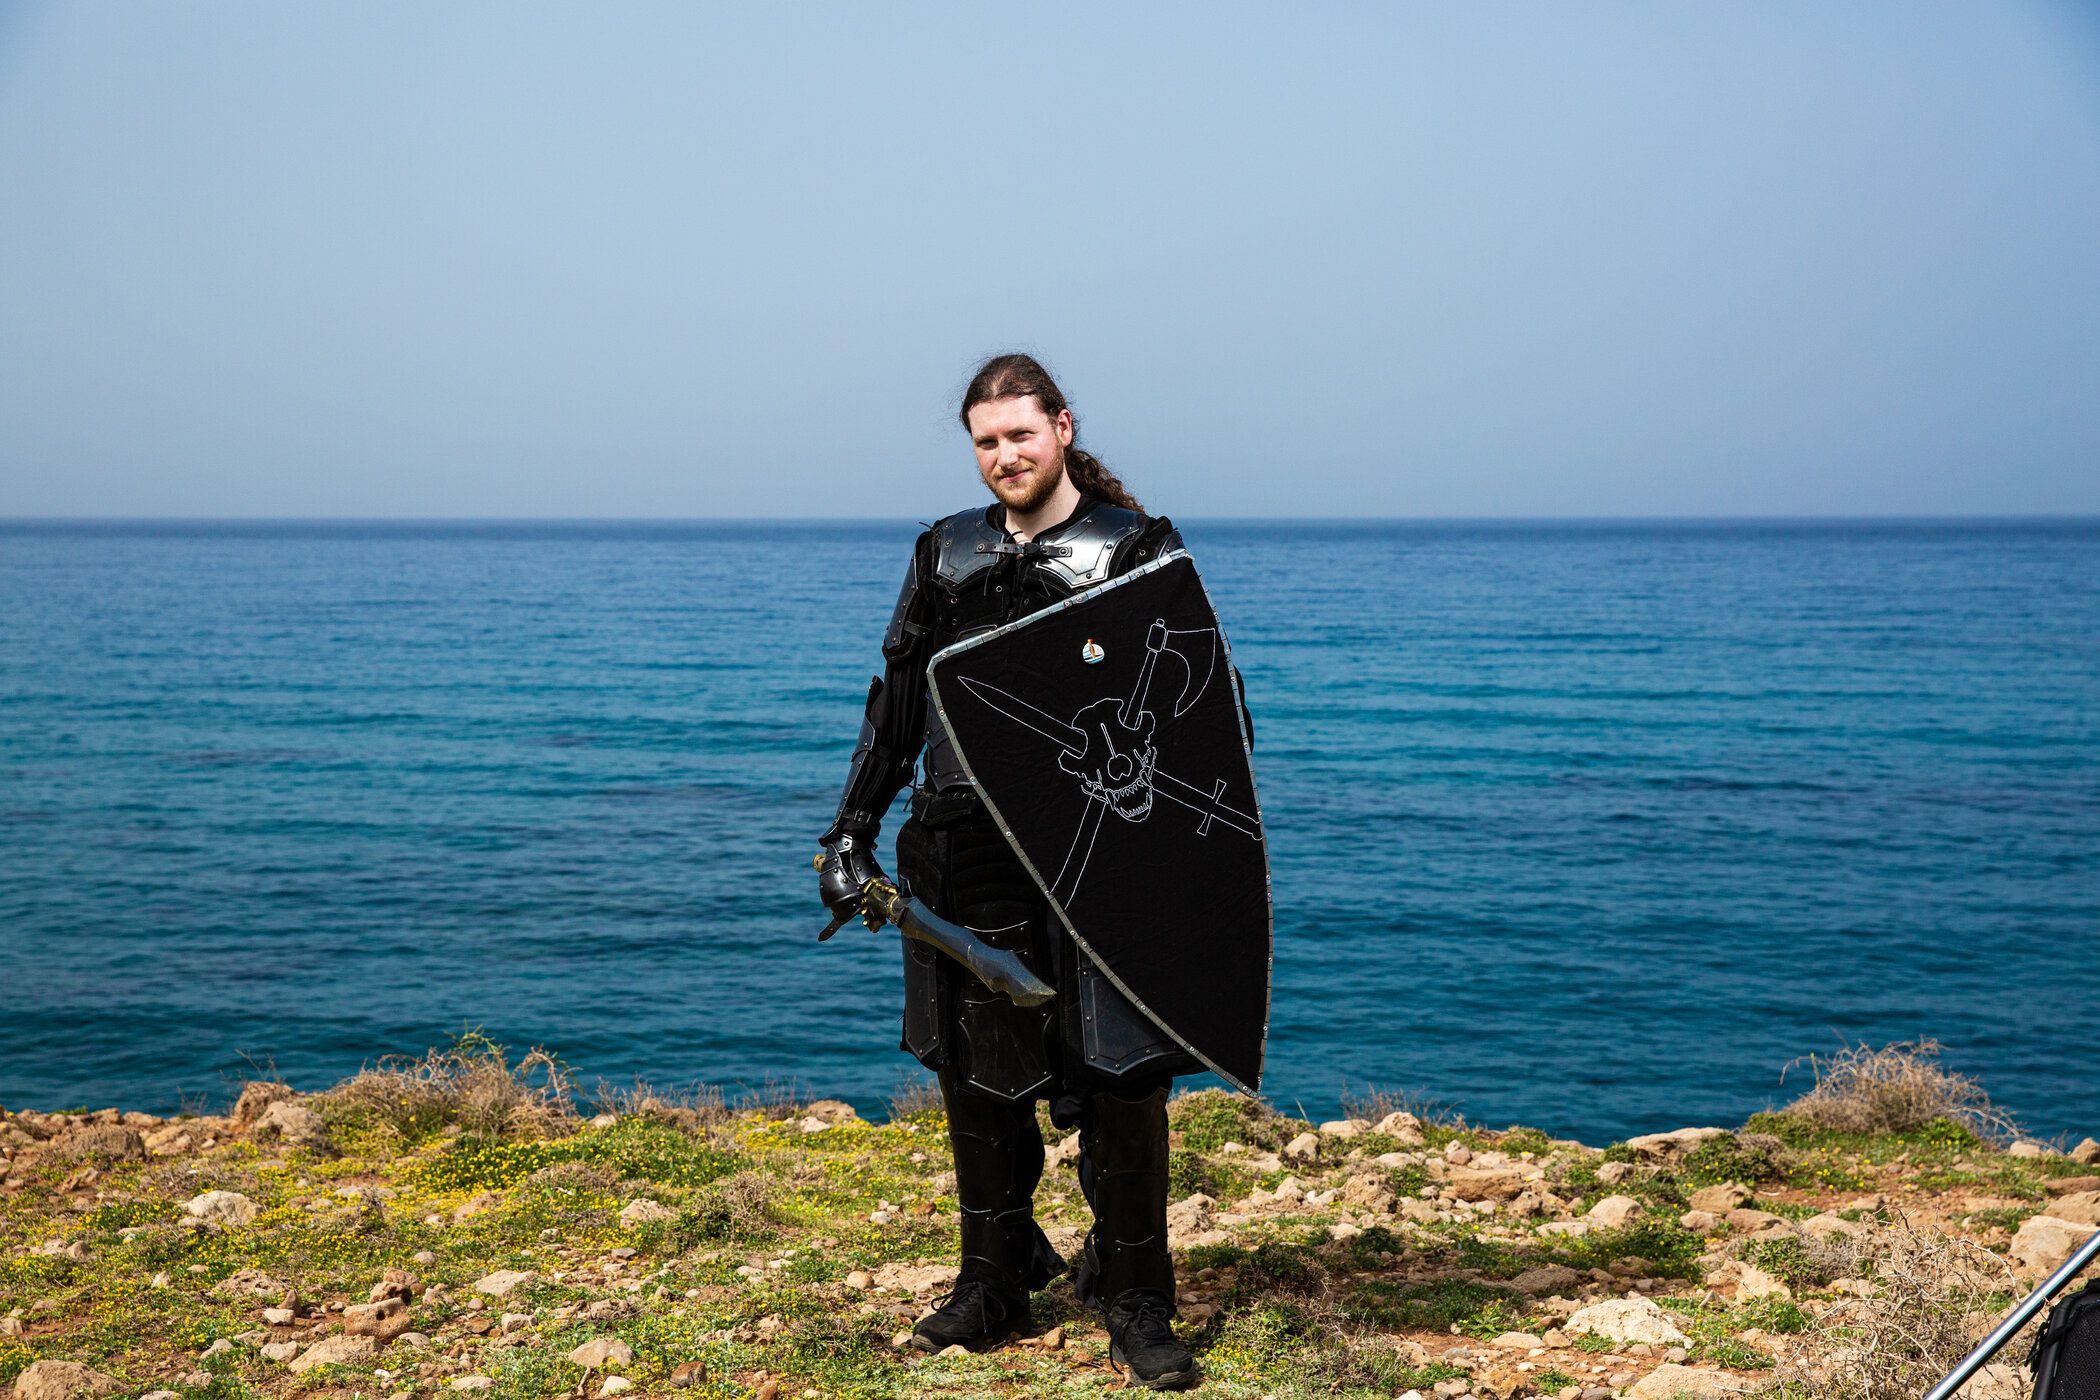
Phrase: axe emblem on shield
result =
(1109, 747)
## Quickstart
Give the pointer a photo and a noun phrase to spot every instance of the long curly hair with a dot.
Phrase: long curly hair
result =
(1013, 375)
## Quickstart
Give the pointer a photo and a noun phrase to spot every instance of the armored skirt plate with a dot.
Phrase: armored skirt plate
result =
(1104, 735)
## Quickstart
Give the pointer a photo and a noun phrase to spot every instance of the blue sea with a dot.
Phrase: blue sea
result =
(1589, 826)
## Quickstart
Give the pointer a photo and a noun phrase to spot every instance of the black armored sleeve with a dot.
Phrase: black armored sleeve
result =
(893, 726)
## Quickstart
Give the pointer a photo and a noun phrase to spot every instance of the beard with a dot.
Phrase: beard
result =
(1040, 486)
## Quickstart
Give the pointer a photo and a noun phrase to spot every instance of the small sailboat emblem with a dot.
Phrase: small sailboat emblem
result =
(1091, 652)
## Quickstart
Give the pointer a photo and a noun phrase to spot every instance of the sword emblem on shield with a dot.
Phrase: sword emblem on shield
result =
(1108, 747)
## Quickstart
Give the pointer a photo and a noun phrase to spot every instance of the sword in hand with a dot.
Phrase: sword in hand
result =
(881, 902)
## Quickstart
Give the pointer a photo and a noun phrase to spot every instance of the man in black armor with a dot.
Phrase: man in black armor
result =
(1061, 523)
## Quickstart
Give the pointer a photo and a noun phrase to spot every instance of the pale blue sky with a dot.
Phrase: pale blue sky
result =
(637, 260)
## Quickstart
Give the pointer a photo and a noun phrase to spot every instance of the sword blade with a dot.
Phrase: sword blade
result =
(1204, 804)
(1021, 712)
(997, 968)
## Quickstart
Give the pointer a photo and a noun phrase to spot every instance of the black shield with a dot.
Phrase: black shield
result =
(1105, 736)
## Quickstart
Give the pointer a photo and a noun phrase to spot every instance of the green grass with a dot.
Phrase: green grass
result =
(1713, 1327)
(1730, 1158)
(634, 1148)
(1441, 1305)
(1210, 1118)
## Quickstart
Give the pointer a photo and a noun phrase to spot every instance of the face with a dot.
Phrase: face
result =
(1020, 449)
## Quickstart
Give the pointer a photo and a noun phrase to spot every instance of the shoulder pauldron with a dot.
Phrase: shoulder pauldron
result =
(964, 545)
(1089, 547)
(967, 543)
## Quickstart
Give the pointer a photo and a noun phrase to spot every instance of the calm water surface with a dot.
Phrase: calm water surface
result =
(1588, 826)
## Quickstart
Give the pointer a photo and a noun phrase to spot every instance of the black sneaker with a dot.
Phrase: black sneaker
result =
(975, 1316)
(1140, 1337)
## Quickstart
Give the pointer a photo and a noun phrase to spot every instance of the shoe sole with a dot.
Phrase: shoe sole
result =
(934, 1348)
(1171, 1380)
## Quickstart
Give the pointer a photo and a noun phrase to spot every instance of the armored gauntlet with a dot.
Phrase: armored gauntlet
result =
(845, 863)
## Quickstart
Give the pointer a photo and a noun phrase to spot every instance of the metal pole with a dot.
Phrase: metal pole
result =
(2020, 1317)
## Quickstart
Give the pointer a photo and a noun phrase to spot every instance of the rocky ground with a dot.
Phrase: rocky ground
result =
(344, 1244)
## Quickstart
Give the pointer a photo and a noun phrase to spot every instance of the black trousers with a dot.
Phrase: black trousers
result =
(995, 1061)
(1122, 1174)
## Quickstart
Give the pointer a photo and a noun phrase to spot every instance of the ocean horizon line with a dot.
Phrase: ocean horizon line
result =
(58, 523)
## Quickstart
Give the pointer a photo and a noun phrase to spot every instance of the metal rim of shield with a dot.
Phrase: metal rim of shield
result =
(934, 698)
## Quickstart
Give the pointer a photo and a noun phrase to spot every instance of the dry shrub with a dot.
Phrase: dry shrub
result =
(694, 1109)
(470, 1085)
(1935, 1297)
(1898, 1088)
(1374, 1103)
(743, 1207)
(915, 1094)
(776, 1099)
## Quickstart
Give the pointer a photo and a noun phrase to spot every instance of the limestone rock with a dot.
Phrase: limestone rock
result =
(2080, 1208)
(97, 1143)
(2026, 1148)
(291, 1123)
(1614, 1211)
(1470, 1183)
(1191, 1217)
(471, 1383)
(1700, 1222)
(1668, 1381)
(833, 1111)
(1673, 1144)
(394, 1283)
(1748, 1281)
(1517, 1341)
(1372, 1193)
(169, 1139)
(1627, 1320)
(279, 1351)
(2045, 1242)
(600, 1352)
(256, 1097)
(614, 1385)
(1720, 1199)
(1744, 1218)
(1343, 1128)
(1402, 1126)
(1828, 1226)
(2086, 1153)
(223, 1208)
(1302, 1148)
(643, 1211)
(503, 1282)
(901, 1277)
(329, 1351)
(248, 1283)
(63, 1380)
(1547, 1278)
(381, 1321)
